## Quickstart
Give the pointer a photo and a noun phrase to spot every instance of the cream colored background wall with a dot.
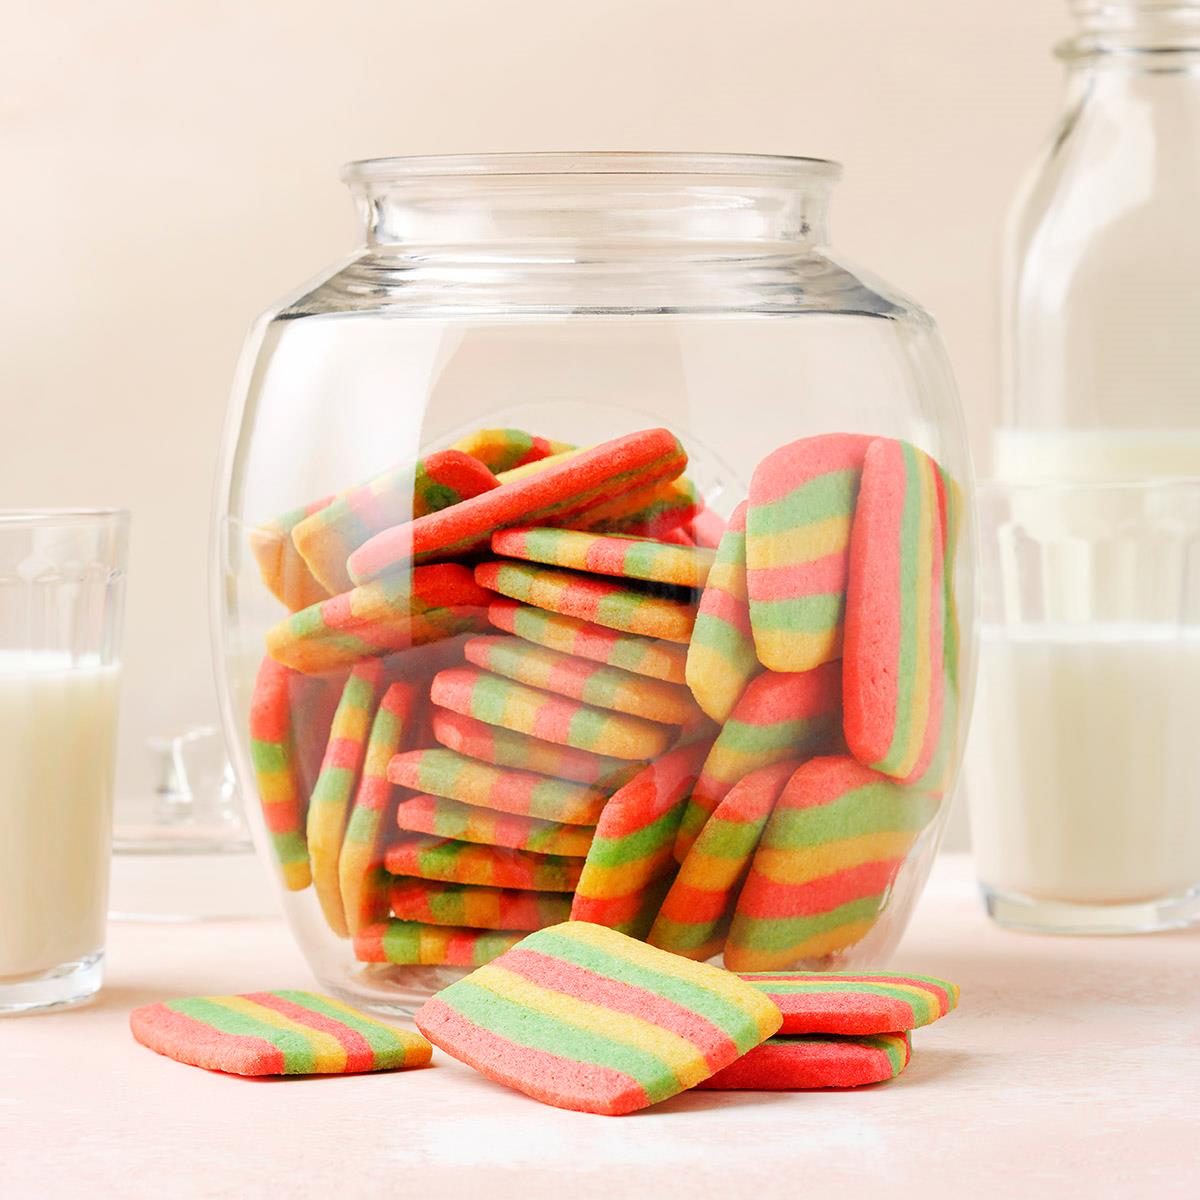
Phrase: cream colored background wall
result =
(170, 169)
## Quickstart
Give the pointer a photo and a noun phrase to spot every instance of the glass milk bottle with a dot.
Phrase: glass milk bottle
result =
(1101, 307)
(1084, 768)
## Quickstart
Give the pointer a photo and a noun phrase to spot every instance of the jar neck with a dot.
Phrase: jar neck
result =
(1139, 36)
(553, 216)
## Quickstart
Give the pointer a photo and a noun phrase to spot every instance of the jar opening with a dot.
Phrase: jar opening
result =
(780, 167)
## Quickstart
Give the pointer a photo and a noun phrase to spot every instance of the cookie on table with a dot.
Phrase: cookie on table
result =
(465, 823)
(647, 656)
(606, 602)
(430, 902)
(504, 789)
(894, 642)
(721, 658)
(841, 1003)
(801, 502)
(498, 701)
(632, 849)
(424, 857)
(275, 1033)
(407, 609)
(581, 679)
(582, 1017)
(411, 944)
(361, 877)
(504, 449)
(825, 865)
(695, 914)
(503, 748)
(793, 1062)
(778, 716)
(326, 538)
(552, 495)
(607, 554)
(329, 804)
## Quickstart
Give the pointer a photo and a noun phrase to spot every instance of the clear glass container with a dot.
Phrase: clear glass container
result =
(643, 307)
(1101, 306)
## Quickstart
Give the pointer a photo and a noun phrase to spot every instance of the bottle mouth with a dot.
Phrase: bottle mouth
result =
(777, 168)
(1146, 27)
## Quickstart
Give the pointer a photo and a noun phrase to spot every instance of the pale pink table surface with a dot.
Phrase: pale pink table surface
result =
(1072, 1069)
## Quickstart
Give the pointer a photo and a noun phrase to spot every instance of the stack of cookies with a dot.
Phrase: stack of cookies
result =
(525, 683)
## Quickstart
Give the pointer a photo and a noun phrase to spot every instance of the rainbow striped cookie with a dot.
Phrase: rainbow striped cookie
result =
(410, 944)
(433, 903)
(606, 602)
(499, 701)
(552, 494)
(275, 1033)
(504, 449)
(793, 1062)
(721, 658)
(584, 1018)
(630, 862)
(581, 679)
(801, 503)
(281, 789)
(439, 858)
(504, 789)
(466, 823)
(653, 512)
(695, 914)
(327, 537)
(846, 1004)
(336, 785)
(894, 644)
(284, 572)
(825, 865)
(585, 639)
(607, 554)
(361, 877)
(502, 747)
(779, 716)
(409, 608)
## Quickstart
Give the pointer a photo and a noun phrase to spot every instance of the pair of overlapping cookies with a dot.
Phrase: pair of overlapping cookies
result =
(582, 1017)
(531, 683)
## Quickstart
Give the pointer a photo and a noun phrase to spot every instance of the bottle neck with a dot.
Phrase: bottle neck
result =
(1134, 36)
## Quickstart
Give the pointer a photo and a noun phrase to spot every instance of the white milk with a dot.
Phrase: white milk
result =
(1084, 763)
(57, 725)
(1095, 455)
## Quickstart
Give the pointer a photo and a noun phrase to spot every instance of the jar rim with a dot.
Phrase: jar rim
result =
(590, 162)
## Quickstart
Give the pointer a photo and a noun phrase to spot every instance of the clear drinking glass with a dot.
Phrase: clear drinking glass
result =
(1101, 307)
(62, 582)
(1083, 766)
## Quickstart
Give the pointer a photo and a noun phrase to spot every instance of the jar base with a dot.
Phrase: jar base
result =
(64, 986)
(1027, 915)
(392, 991)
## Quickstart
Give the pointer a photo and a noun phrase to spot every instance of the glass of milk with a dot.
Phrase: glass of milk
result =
(62, 577)
(1083, 766)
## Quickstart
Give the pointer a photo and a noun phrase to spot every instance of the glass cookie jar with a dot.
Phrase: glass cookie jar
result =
(591, 544)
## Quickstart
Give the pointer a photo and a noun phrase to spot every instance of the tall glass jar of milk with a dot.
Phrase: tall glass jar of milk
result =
(1084, 782)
